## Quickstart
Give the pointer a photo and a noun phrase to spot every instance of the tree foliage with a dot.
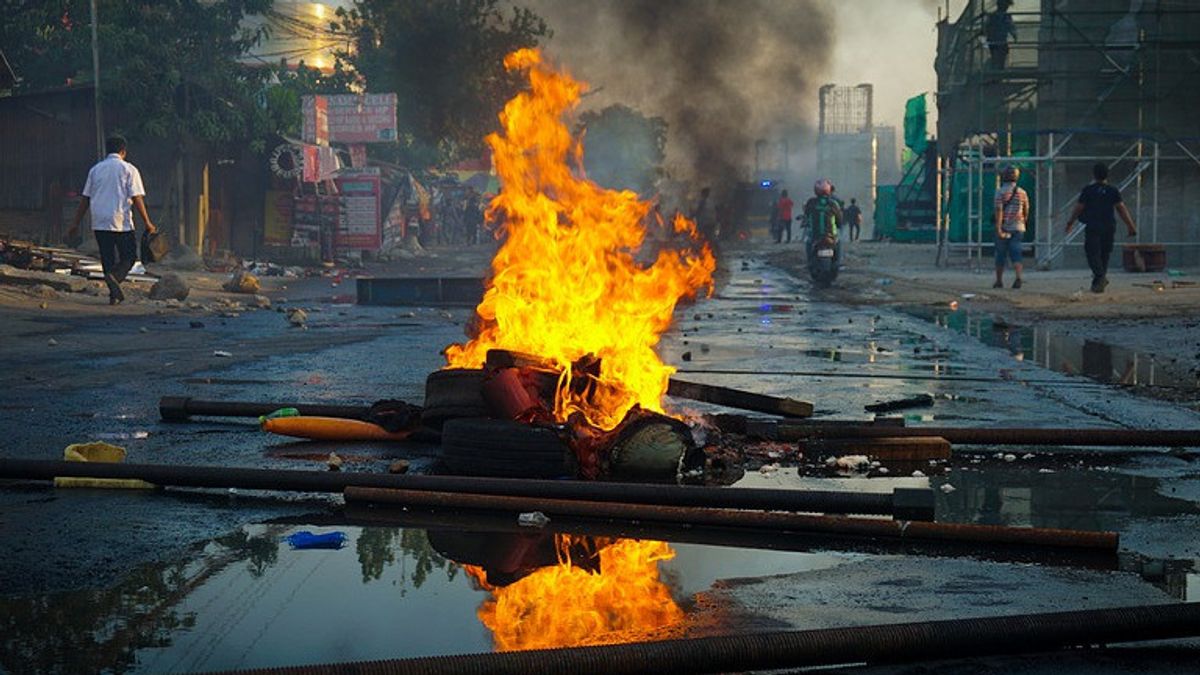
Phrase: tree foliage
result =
(443, 59)
(623, 148)
(170, 68)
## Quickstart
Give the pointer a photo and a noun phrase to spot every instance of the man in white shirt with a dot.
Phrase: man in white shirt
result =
(113, 186)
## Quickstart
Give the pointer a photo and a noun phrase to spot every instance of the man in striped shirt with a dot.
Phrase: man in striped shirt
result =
(1012, 210)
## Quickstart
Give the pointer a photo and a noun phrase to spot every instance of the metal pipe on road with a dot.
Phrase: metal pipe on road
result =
(711, 517)
(1003, 436)
(686, 533)
(879, 644)
(180, 408)
(905, 503)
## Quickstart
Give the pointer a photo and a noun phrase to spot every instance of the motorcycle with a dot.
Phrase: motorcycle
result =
(823, 261)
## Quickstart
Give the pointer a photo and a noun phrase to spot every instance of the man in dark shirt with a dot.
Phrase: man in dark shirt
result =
(1095, 209)
(997, 29)
(853, 216)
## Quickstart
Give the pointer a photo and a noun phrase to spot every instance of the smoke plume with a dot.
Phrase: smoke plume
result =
(723, 74)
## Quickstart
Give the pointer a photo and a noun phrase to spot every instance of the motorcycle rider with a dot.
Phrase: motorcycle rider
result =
(822, 215)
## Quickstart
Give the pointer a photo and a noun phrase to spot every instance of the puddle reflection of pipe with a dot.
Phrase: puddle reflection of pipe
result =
(742, 538)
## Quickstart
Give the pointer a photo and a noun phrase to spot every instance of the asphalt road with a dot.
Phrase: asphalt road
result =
(175, 580)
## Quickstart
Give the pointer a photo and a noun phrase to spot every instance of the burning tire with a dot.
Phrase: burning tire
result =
(486, 447)
(453, 393)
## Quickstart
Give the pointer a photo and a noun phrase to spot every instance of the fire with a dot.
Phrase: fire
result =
(565, 283)
(566, 605)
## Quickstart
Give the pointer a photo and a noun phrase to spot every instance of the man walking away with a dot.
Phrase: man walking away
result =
(113, 185)
(783, 217)
(1012, 210)
(1095, 209)
(853, 216)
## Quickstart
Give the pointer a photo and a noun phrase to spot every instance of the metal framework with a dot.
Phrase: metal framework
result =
(1079, 86)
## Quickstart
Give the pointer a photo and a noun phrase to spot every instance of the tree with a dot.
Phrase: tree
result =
(623, 148)
(170, 68)
(444, 61)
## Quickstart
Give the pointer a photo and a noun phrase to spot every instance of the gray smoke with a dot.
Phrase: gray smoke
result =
(724, 74)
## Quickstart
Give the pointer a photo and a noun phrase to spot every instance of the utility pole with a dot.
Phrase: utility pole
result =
(96, 85)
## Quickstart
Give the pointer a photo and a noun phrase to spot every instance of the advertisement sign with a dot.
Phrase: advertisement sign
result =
(277, 217)
(315, 110)
(358, 224)
(366, 118)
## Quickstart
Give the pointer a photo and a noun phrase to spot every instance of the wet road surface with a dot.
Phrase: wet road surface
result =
(177, 581)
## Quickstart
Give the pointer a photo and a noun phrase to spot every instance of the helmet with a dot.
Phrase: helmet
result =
(1010, 174)
(823, 187)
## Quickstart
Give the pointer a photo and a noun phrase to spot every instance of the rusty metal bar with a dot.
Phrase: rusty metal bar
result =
(907, 503)
(880, 644)
(710, 517)
(1003, 436)
(686, 533)
(180, 408)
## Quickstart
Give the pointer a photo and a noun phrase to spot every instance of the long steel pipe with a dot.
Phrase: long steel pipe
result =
(1003, 436)
(733, 537)
(815, 501)
(180, 408)
(879, 644)
(712, 517)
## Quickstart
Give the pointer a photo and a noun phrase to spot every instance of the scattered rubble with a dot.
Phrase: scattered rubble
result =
(242, 282)
(169, 287)
(12, 276)
(297, 317)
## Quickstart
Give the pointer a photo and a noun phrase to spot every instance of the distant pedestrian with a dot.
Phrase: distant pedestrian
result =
(705, 216)
(1095, 209)
(113, 186)
(782, 222)
(853, 216)
(998, 28)
(1012, 210)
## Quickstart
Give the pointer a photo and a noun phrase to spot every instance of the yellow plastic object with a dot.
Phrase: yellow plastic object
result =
(98, 452)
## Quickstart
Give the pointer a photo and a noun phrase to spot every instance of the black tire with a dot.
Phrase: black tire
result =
(487, 447)
(453, 393)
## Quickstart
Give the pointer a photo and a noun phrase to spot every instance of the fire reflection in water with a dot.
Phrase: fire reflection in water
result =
(599, 592)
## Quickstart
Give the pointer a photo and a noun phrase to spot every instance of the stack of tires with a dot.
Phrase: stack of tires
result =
(475, 444)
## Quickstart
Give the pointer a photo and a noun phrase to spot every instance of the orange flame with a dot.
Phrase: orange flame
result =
(565, 605)
(565, 282)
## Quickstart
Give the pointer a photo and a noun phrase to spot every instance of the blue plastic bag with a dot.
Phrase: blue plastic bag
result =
(305, 539)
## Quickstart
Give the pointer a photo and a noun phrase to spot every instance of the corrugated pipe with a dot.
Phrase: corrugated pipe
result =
(911, 503)
(708, 517)
(894, 643)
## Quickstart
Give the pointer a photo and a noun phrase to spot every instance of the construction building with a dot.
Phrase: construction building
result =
(846, 144)
(1073, 83)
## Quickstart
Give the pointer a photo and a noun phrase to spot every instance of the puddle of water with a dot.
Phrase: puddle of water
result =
(247, 600)
(1074, 356)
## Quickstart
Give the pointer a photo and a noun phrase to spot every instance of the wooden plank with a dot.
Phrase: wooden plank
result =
(742, 400)
(913, 448)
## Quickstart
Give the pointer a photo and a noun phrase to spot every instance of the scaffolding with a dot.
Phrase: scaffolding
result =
(1083, 82)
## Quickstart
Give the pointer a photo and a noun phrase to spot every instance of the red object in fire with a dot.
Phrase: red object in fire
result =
(509, 396)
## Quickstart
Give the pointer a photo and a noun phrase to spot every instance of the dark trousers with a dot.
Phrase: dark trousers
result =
(1098, 245)
(855, 231)
(118, 252)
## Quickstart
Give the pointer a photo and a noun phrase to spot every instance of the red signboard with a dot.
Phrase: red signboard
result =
(316, 119)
